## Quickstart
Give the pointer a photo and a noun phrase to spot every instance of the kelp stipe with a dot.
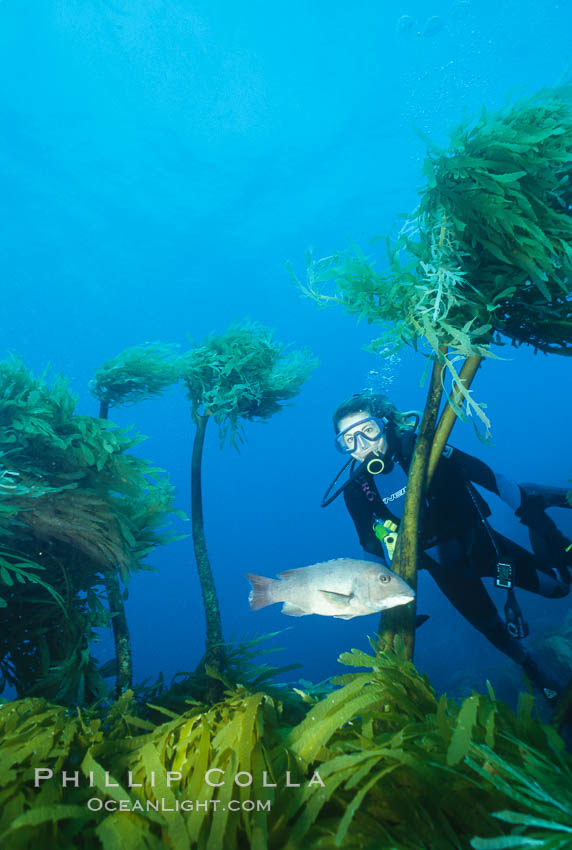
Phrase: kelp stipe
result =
(241, 374)
(136, 374)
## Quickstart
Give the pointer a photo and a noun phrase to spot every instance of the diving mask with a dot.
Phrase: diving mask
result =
(360, 435)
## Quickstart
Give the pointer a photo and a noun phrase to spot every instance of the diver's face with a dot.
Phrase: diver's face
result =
(364, 435)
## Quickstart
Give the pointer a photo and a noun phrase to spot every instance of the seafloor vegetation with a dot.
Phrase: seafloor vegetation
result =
(398, 768)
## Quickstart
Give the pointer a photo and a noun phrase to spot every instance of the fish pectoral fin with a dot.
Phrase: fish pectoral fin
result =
(294, 610)
(340, 600)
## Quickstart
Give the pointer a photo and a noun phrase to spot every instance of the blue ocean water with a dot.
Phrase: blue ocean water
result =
(160, 163)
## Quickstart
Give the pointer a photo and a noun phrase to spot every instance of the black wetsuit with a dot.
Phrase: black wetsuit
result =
(459, 546)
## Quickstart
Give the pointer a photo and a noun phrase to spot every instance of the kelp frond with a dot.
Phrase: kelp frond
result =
(240, 665)
(379, 762)
(541, 796)
(76, 507)
(243, 373)
(401, 766)
(136, 374)
(70, 477)
(487, 255)
(416, 303)
(504, 189)
(16, 569)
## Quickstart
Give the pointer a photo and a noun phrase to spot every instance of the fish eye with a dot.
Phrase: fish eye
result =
(384, 579)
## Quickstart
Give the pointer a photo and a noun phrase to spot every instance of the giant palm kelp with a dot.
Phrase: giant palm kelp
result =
(504, 191)
(75, 505)
(380, 761)
(241, 374)
(487, 254)
(136, 374)
(486, 257)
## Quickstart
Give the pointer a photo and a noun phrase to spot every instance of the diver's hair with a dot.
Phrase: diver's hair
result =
(380, 406)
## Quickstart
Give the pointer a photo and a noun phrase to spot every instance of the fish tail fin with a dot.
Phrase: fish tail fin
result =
(261, 593)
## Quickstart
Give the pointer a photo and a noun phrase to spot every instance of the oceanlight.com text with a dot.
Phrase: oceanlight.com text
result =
(98, 804)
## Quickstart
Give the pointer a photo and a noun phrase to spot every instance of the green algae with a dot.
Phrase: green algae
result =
(397, 765)
(76, 506)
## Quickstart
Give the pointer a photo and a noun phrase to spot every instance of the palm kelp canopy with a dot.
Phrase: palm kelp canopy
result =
(75, 506)
(137, 373)
(487, 254)
(503, 194)
(243, 373)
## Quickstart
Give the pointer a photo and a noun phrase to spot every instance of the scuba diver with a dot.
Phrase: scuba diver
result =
(458, 545)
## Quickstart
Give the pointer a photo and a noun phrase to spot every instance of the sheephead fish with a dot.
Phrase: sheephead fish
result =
(344, 588)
